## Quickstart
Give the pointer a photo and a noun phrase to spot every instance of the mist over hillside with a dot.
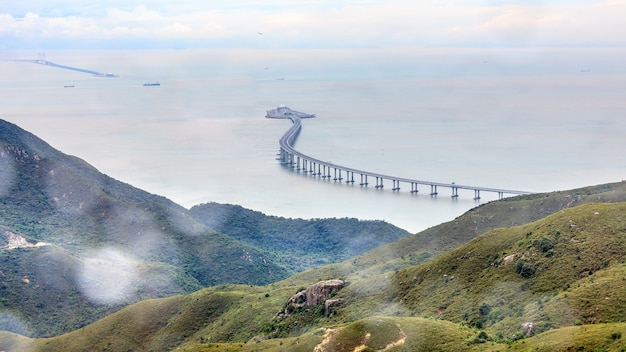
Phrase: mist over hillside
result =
(100, 244)
(553, 284)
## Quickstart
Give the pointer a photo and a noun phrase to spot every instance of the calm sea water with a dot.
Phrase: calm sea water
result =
(535, 120)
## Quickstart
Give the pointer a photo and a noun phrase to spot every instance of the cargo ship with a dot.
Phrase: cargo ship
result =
(283, 112)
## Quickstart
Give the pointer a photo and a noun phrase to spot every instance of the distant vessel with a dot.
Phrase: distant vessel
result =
(154, 84)
(69, 86)
(98, 74)
(283, 112)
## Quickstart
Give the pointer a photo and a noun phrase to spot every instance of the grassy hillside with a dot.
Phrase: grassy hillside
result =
(552, 284)
(425, 245)
(509, 276)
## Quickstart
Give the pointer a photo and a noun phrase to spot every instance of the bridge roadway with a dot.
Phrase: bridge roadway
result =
(43, 61)
(302, 162)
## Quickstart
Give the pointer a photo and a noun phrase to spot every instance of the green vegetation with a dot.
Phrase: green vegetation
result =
(471, 298)
(542, 272)
(84, 217)
(298, 244)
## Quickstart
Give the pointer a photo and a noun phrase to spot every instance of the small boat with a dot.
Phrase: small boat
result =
(153, 84)
(109, 74)
(69, 86)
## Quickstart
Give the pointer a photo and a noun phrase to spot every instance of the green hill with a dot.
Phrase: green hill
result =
(514, 275)
(560, 277)
(303, 244)
(104, 244)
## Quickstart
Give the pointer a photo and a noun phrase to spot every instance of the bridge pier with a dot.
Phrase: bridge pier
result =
(338, 178)
(350, 177)
(500, 195)
(476, 194)
(381, 182)
(396, 185)
(433, 190)
(455, 192)
(413, 187)
(363, 183)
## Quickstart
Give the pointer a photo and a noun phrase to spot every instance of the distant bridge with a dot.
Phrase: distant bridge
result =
(327, 170)
(41, 60)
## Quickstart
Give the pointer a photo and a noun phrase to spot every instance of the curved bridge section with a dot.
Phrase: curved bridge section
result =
(326, 170)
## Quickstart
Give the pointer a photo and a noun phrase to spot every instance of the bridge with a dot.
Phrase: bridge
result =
(41, 60)
(327, 170)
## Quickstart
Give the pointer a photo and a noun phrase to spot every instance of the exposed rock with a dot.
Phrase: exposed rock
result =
(528, 328)
(314, 295)
(331, 304)
(11, 240)
(508, 259)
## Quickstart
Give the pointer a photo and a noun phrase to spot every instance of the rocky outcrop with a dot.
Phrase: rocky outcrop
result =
(528, 328)
(11, 240)
(331, 304)
(315, 295)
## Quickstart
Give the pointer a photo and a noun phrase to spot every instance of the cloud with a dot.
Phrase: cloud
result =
(330, 24)
(108, 277)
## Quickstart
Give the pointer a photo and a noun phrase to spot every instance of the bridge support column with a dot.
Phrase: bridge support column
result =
(433, 190)
(337, 178)
(350, 177)
(381, 182)
(413, 187)
(500, 195)
(455, 192)
(298, 164)
(396, 185)
(476, 194)
(363, 183)
(324, 175)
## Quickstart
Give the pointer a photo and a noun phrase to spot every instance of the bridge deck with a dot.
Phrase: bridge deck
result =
(52, 64)
(289, 154)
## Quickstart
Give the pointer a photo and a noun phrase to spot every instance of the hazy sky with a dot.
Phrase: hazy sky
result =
(125, 24)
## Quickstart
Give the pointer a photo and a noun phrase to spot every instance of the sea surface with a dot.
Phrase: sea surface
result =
(526, 119)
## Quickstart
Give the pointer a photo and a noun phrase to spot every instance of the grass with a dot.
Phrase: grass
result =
(599, 337)
(471, 298)
(456, 285)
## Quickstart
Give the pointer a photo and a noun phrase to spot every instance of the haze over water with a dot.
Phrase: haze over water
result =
(527, 119)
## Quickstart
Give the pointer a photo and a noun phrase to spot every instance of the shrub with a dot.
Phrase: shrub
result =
(524, 268)
(545, 244)
(484, 309)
